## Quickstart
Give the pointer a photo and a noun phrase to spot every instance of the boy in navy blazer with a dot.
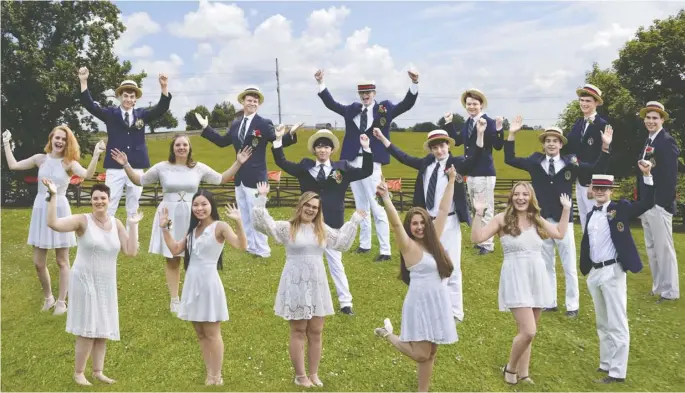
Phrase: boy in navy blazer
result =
(361, 118)
(329, 179)
(431, 183)
(126, 132)
(584, 141)
(553, 174)
(607, 252)
(662, 151)
(256, 131)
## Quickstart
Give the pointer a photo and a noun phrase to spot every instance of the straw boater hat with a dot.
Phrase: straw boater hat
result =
(603, 181)
(128, 85)
(251, 90)
(323, 133)
(591, 90)
(437, 135)
(366, 86)
(552, 131)
(475, 92)
(654, 106)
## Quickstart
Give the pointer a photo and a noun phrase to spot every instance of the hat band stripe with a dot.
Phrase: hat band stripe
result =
(590, 90)
(655, 107)
(602, 183)
(366, 87)
(437, 136)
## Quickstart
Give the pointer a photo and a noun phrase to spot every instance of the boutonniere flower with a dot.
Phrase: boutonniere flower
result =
(649, 150)
(611, 214)
(574, 160)
(139, 124)
(256, 137)
(382, 109)
(337, 176)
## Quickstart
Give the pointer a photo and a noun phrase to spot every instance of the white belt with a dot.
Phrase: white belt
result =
(180, 196)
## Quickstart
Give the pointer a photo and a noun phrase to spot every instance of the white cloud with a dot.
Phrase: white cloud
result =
(212, 21)
(138, 25)
(203, 49)
(142, 51)
(605, 38)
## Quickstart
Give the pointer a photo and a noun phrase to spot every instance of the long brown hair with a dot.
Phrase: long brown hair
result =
(430, 242)
(511, 218)
(296, 219)
(72, 150)
(190, 163)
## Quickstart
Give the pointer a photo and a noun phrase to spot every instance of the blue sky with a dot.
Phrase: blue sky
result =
(528, 57)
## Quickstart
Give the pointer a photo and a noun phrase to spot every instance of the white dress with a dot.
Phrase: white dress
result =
(179, 184)
(303, 290)
(523, 280)
(427, 309)
(203, 298)
(93, 304)
(40, 235)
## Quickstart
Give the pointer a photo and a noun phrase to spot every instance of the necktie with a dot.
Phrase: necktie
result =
(585, 125)
(551, 170)
(597, 208)
(127, 120)
(321, 176)
(471, 124)
(430, 197)
(243, 130)
(363, 121)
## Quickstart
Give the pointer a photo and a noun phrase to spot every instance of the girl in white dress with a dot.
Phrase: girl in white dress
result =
(523, 285)
(427, 318)
(303, 297)
(94, 314)
(61, 158)
(180, 177)
(203, 301)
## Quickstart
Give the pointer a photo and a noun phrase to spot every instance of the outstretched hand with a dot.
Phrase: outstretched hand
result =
(263, 188)
(479, 203)
(232, 212)
(244, 154)
(49, 185)
(202, 120)
(565, 201)
(119, 156)
(163, 217)
(607, 135)
(516, 125)
(135, 218)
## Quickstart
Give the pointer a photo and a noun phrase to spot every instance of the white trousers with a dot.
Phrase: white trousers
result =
(337, 271)
(257, 242)
(451, 240)
(364, 192)
(484, 185)
(584, 203)
(567, 253)
(608, 289)
(658, 226)
(117, 180)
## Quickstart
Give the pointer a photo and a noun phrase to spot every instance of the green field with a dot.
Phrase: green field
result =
(159, 352)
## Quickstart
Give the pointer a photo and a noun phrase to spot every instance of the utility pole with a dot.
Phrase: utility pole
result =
(278, 91)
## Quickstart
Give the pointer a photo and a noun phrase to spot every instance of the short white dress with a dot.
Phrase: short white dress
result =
(40, 235)
(523, 279)
(203, 298)
(427, 309)
(303, 290)
(93, 303)
(179, 184)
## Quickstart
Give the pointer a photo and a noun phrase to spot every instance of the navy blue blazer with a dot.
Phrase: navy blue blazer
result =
(351, 145)
(463, 166)
(128, 139)
(484, 166)
(586, 147)
(549, 189)
(664, 171)
(331, 192)
(619, 226)
(254, 170)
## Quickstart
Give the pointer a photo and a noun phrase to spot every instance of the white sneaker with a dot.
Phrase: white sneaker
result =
(385, 330)
(175, 305)
(60, 307)
(48, 304)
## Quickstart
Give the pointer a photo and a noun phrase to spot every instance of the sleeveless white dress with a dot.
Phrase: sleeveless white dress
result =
(40, 235)
(303, 290)
(93, 304)
(203, 298)
(427, 309)
(523, 279)
(179, 184)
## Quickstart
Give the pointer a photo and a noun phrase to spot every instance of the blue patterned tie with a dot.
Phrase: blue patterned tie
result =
(243, 130)
(432, 183)
(127, 120)
(471, 126)
(362, 121)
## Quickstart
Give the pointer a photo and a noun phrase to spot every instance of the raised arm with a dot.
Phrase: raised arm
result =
(446, 202)
(289, 167)
(75, 223)
(409, 99)
(236, 239)
(395, 151)
(148, 177)
(558, 231)
(86, 99)
(162, 106)
(175, 247)
(480, 233)
(262, 220)
(211, 135)
(509, 147)
(12, 163)
(87, 173)
(496, 133)
(410, 250)
(129, 240)
(451, 129)
(326, 96)
(354, 174)
(647, 199)
(240, 159)
(602, 163)
(342, 239)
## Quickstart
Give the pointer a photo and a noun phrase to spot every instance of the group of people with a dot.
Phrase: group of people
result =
(449, 189)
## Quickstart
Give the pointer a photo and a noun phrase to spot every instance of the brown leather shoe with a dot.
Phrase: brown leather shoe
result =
(609, 379)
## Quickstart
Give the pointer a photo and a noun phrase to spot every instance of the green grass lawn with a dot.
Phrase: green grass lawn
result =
(159, 352)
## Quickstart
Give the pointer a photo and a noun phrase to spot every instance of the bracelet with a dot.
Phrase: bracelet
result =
(48, 197)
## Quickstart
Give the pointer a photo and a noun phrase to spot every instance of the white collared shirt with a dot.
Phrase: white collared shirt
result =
(440, 186)
(130, 115)
(327, 168)
(591, 118)
(559, 164)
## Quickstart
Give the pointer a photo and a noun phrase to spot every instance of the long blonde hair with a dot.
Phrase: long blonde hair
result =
(511, 218)
(296, 219)
(72, 150)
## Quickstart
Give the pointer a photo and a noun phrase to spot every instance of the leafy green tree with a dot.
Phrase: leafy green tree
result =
(167, 121)
(222, 115)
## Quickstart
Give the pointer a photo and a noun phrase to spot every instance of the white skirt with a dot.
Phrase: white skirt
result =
(40, 235)
(179, 214)
(523, 282)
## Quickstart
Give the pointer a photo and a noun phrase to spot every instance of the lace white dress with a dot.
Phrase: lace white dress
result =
(203, 298)
(93, 304)
(523, 279)
(303, 290)
(179, 184)
(427, 309)
(40, 235)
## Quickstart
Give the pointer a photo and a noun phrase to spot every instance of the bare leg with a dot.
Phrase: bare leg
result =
(62, 258)
(40, 262)
(417, 351)
(173, 276)
(525, 320)
(298, 332)
(524, 360)
(215, 345)
(425, 369)
(204, 347)
(99, 350)
(314, 347)
(84, 346)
